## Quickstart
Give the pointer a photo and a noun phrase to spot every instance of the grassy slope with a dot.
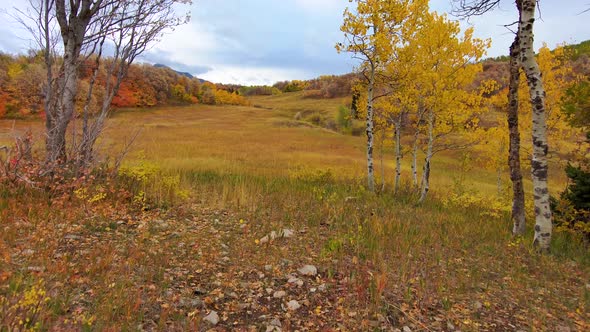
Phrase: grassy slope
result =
(383, 259)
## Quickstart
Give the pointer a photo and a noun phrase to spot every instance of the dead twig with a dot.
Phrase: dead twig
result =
(414, 320)
(125, 150)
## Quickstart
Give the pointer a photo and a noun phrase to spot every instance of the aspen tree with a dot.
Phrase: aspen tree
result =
(447, 64)
(371, 32)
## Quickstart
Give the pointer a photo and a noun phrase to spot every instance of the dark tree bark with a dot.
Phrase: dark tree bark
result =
(518, 206)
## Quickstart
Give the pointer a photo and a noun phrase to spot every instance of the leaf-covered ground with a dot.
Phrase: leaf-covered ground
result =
(193, 266)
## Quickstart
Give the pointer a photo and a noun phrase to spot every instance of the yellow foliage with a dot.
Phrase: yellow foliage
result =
(24, 314)
(151, 185)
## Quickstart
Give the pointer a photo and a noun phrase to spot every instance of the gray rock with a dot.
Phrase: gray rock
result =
(191, 303)
(279, 294)
(406, 329)
(276, 322)
(243, 306)
(293, 305)
(308, 270)
(287, 233)
(295, 280)
(36, 268)
(212, 318)
(274, 325)
(273, 235)
(269, 237)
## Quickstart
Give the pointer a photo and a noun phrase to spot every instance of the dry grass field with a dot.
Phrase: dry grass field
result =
(214, 181)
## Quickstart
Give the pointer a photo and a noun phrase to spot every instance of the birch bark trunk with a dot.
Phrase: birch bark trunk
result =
(398, 152)
(429, 151)
(539, 167)
(370, 130)
(420, 112)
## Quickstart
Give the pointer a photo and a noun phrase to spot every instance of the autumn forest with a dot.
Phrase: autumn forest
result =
(432, 187)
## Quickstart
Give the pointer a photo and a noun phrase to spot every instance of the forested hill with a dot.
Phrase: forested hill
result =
(183, 73)
(578, 56)
(22, 79)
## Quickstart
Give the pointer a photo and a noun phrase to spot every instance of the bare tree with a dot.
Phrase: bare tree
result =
(40, 22)
(80, 29)
(137, 25)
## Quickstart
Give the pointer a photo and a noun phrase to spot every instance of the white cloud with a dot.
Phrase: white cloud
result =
(264, 41)
(191, 43)
(251, 75)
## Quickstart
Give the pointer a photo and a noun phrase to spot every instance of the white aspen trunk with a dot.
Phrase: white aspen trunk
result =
(415, 148)
(499, 171)
(429, 151)
(499, 181)
(370, 130)
(539, 167)
(518, 204)
(398, 152)
(415, 161)
(381, 155)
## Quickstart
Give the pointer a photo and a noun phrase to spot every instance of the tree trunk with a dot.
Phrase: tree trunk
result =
(49, 91)
(415, 160)
(539, 167)
(370, 131)
(73, 27)
(381, 156)
(518, 207)
(420, 115)
(429, 151)
(68, 91)
(398, 152)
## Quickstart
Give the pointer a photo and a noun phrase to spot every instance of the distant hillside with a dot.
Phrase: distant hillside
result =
(498, 70)
(183, 73)
(21, 94)
(577, 50)
(580, 49)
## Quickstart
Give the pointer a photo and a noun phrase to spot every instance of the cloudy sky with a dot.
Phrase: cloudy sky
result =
(263, 41)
